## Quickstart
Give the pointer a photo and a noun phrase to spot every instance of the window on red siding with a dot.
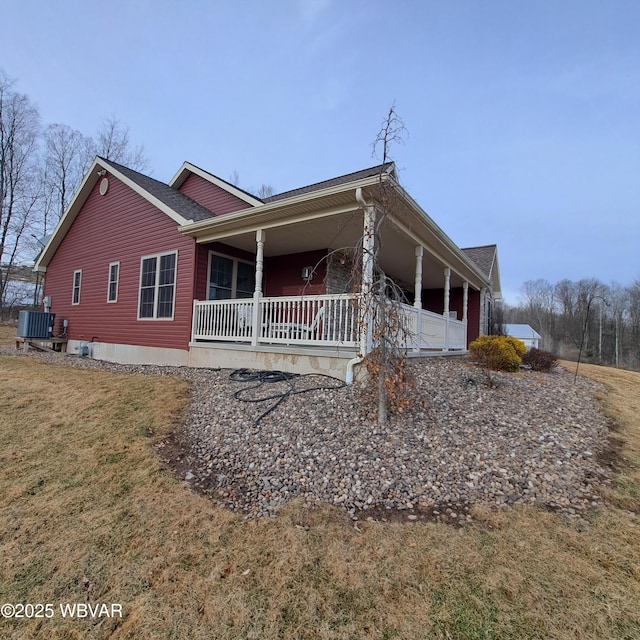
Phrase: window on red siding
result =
(157, 286)
(114, 274)
(230, 277)
(77, 279)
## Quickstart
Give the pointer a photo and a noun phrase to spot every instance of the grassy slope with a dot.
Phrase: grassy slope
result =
(88, 514)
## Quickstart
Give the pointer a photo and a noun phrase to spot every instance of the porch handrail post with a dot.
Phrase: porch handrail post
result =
(193, 320)
(257, 293)
(417, 297)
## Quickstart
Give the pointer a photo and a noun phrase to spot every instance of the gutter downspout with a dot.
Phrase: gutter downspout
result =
(350, 365)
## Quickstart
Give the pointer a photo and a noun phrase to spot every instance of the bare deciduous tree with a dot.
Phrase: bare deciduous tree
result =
(19, 131)
(113, 144)
(68, 155)
(381, 295)
(603, 319)
(539, 303)
(265, 191)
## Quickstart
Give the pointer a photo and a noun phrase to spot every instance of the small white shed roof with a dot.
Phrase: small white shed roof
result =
(521, 331)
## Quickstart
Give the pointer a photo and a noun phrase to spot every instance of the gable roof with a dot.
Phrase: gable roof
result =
(171, 202)
(387, 167)
(486, 257)
(172, 198)
(187, 169)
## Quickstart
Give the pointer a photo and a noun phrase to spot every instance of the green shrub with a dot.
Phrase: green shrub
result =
(498, 352)
(518, 346)
(540, 360)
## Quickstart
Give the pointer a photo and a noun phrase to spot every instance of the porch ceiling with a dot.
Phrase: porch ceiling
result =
(307, 235)
(397, 253)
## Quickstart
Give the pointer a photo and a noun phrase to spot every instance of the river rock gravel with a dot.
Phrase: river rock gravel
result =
(524, 438)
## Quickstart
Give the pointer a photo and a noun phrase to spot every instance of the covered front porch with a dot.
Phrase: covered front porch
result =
(299, 273)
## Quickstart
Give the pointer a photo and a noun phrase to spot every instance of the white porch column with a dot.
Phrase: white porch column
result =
(465, 311)
(447, 291)
(257, 292)
(368, 248)
(417, 297)
(465, 300)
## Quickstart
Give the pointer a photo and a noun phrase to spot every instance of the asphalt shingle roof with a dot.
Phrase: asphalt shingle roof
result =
(333, 182)
(484, 257)
(191, 210)
(177, 201)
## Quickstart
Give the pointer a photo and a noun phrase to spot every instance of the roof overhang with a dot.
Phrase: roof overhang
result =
(316, 204)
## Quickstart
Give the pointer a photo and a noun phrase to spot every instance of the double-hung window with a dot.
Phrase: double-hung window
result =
(112, 287)
(157, 286)
(75, 293)
(230, 278)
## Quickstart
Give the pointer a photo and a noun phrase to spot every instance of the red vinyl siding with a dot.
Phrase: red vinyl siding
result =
(211, 196)
(283, 277)
(120, 226)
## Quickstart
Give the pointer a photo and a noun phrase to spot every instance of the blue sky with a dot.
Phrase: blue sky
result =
(523, 117)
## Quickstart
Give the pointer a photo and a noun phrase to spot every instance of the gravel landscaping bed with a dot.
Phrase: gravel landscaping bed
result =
(535, 438)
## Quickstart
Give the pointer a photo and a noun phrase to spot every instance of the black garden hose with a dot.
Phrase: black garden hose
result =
(267, 377)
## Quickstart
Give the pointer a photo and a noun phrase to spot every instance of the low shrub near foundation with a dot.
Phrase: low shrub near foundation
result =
(540, 360)
(498, 353)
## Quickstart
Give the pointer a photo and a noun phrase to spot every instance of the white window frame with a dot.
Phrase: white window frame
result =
(234, 275)
(110, 282)
(157, 285)
(76, 288)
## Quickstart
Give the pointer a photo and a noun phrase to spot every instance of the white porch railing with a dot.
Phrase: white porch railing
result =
(429, 330)
(323, 320)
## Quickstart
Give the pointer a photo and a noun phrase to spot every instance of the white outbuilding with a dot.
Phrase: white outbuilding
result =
(524, 332)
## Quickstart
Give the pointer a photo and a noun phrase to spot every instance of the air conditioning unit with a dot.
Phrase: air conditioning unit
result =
(35, 324)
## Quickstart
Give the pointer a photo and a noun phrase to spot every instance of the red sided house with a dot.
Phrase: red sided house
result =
(201, 273)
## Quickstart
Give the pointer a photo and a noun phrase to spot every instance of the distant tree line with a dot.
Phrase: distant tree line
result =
(41, 167)
(603, 319)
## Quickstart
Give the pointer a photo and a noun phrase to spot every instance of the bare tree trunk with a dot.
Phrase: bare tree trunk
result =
(382, 370)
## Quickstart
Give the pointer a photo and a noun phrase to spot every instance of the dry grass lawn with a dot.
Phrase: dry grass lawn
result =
(88, 514)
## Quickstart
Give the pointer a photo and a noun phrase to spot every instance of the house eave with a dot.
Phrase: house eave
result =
(323, 202)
